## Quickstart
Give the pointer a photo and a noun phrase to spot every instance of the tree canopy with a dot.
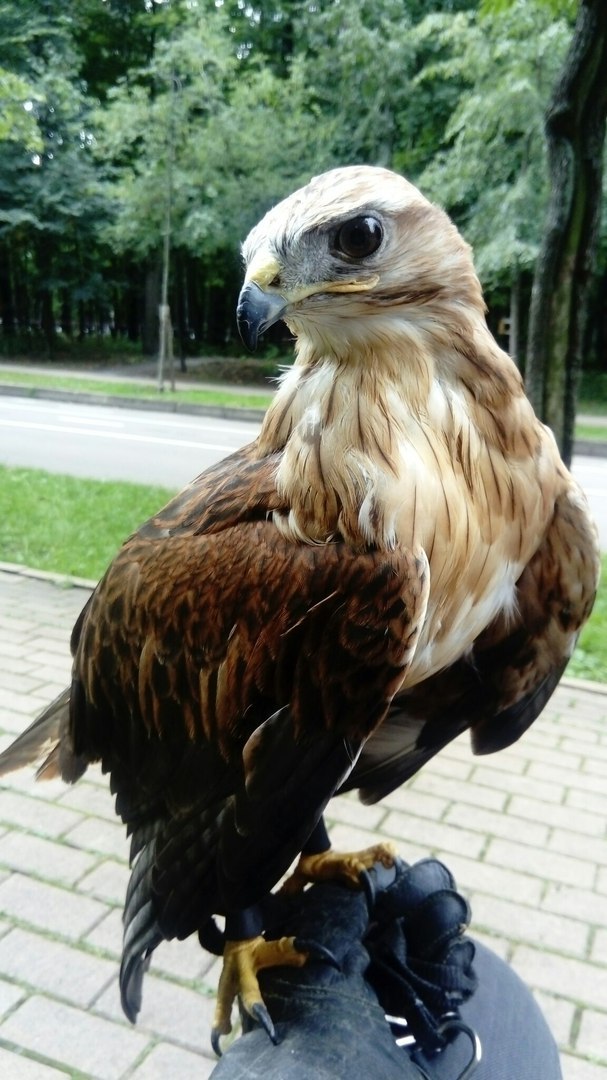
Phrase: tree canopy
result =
(115, 110)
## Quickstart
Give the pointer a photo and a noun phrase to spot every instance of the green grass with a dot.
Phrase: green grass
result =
(74, 527)
(589, 660)
(132, 389)
(68, 525)
(586, 431)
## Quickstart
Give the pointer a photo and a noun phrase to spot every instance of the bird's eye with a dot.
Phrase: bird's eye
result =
(358, 238)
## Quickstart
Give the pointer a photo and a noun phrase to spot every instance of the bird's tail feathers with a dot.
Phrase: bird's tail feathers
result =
(172, 892)
(141, 930)
(42, 740)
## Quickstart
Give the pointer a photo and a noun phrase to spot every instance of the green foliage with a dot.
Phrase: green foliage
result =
(49, 193)
(557, 7)
(362, 98)
(490, 171)
(313, 96)
(115, 112)
(113, 37)
(188, 127)
(156, 115)
(17, 122)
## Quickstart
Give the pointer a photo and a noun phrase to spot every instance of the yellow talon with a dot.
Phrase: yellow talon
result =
(242, 960)
(338, 866)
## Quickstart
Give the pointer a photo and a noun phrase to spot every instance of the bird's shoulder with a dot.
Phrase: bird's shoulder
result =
(238, 489)
(209, 619)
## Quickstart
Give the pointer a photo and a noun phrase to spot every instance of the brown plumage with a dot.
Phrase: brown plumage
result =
(399, 556)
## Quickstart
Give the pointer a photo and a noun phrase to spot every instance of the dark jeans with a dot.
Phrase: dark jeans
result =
(515, 1039)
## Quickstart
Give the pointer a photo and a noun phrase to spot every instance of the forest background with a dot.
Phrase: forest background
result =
(125, 120)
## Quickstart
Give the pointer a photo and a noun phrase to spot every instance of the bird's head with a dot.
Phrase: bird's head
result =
(359, 244)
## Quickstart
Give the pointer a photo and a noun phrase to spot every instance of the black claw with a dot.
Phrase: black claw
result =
(215, 1037)
(259, 1013)
(368, 887)
(317, 952)
(378, 877)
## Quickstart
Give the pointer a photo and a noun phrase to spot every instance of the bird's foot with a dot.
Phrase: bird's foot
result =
(345, 867)
(242, 960)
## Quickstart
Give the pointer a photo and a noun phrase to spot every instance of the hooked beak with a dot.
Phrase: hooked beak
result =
(257, 310)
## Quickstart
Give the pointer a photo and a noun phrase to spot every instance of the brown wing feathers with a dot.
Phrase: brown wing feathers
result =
(217, 625)
(215, 633)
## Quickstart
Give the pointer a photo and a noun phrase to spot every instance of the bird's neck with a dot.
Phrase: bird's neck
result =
(339, 426)
(358, 437)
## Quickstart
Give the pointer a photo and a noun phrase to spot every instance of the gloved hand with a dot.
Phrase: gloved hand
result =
(395, 946)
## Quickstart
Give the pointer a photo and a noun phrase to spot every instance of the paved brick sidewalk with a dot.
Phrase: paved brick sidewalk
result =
(523, 831)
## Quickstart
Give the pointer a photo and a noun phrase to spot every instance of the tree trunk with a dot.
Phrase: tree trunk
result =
(575, 132)
(81, 321)
(22, 292)
(179, 305)
(600, 324)
(195, 299)
(150, 319)
(66, 313)
(7, 304)
(131, 298)
(515, 317)
(216, 315)
(45, 294)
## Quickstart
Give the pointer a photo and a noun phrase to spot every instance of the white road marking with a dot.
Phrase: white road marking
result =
(72, 412)
(119, 435)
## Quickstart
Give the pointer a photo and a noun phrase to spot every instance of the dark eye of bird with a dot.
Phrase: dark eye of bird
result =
(358, 238)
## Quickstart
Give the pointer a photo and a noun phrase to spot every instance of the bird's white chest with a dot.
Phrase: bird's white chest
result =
(385, 475)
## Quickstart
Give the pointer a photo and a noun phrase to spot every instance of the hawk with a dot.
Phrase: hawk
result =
(400, 555)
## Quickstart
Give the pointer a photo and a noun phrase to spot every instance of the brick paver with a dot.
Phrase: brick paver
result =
(524, 833)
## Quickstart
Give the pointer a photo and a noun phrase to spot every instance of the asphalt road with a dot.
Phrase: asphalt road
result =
(166, 449)
(104, 443)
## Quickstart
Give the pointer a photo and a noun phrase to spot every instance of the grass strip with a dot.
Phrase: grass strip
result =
(132, 389)
(68, 525)
(596, 434)
(589, 660)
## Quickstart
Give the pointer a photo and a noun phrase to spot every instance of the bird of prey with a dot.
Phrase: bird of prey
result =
(400, 555)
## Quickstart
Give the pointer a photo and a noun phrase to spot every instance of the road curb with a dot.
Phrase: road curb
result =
(65, 581)
(590, 448)
(85, 397)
